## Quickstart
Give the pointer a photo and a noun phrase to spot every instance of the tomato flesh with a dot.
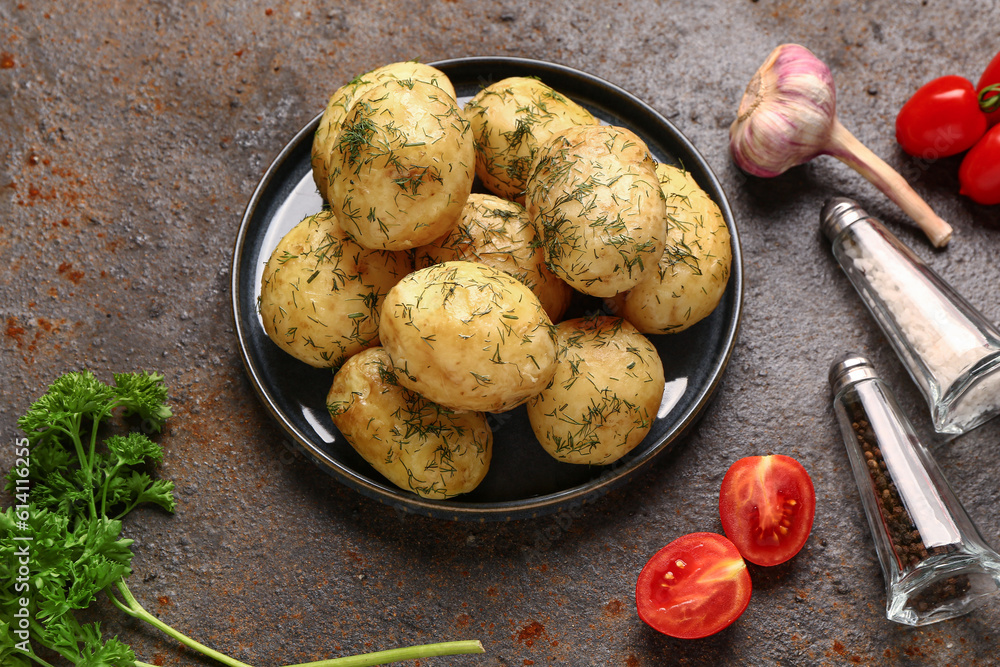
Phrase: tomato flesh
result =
(694, 587)
(767, 505)
(979, 174)
(942, 118)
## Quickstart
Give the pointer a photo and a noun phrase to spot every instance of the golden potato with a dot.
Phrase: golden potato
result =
(321, 293)
(417, 445)
(468, 336)
(402, 167)
(496, 231)
(510, 120)
(595, 200)
(694, 269)
(604, 395)
(340, 103)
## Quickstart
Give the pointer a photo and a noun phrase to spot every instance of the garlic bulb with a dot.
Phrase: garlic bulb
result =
(788, 116)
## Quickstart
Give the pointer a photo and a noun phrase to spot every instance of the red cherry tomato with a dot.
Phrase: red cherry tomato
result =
(942, 118)
(693, 587)
(979, 174)
(989, 101)
(767, 505)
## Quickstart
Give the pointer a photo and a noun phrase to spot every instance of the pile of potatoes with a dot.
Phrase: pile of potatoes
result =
(436, 305)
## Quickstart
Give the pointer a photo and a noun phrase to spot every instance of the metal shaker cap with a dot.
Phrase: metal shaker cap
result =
(849, 369)
(838, 214)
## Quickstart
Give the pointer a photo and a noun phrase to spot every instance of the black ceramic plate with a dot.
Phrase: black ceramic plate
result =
(523, 480)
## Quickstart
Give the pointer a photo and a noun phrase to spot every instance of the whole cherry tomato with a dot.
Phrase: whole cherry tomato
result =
(979, 174)
(693, 587)
(942, 118)
(989, 100)
(767, 505)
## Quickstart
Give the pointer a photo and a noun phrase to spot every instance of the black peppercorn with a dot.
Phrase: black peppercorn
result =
(935, 562)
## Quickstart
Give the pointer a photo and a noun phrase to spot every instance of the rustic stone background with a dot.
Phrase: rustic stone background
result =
(133, 134)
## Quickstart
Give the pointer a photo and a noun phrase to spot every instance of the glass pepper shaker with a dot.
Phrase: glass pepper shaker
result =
(948, 347)
(935, 562)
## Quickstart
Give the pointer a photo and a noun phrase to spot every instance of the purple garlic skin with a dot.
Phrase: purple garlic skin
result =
(786, 115)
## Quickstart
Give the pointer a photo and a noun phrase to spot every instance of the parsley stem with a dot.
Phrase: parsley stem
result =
(104, 495)
(132, 607)
(38, 660)
(399, 654)
(94, 426)
(85, 462)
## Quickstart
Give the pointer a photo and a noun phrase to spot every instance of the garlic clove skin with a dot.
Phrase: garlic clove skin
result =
(786, 115)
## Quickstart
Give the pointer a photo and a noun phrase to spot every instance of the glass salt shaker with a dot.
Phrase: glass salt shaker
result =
(935, 562)
(948, 347)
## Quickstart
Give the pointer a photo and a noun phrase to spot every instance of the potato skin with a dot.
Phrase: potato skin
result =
(604, 395)
(468, 336)
(595, 200)
(692, 273)
(403, 166)
(497, 232)
(321, 293)
(417, 445)
(342, 100)
(510, 120)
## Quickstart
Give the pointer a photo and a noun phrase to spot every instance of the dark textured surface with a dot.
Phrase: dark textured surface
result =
(133, 134)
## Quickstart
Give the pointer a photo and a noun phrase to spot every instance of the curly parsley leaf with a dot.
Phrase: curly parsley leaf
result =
(10, 654)
(111, 653)
(61, 411)
(143, 394)
(76, 481)
(76, 549)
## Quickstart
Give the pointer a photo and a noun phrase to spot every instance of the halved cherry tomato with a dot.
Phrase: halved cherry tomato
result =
(693, 587)
(979, 174)
(767, 505)
(942, 118)
(989, 101)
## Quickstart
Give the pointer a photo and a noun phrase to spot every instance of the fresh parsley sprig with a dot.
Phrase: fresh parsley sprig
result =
(61, 545)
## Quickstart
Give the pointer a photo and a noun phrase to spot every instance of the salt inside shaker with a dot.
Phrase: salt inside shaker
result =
(935, 562)
(948, 347)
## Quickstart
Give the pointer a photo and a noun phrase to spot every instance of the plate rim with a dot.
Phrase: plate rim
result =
(533, 506)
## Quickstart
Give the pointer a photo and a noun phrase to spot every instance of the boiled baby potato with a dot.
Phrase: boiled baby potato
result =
(402, 167)
(497, 232)
(468, 336)
(594, 198)
(604, 395)
(340, 103)
(694, 269)
(417, 445)
(321, 293)
(511, 119)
